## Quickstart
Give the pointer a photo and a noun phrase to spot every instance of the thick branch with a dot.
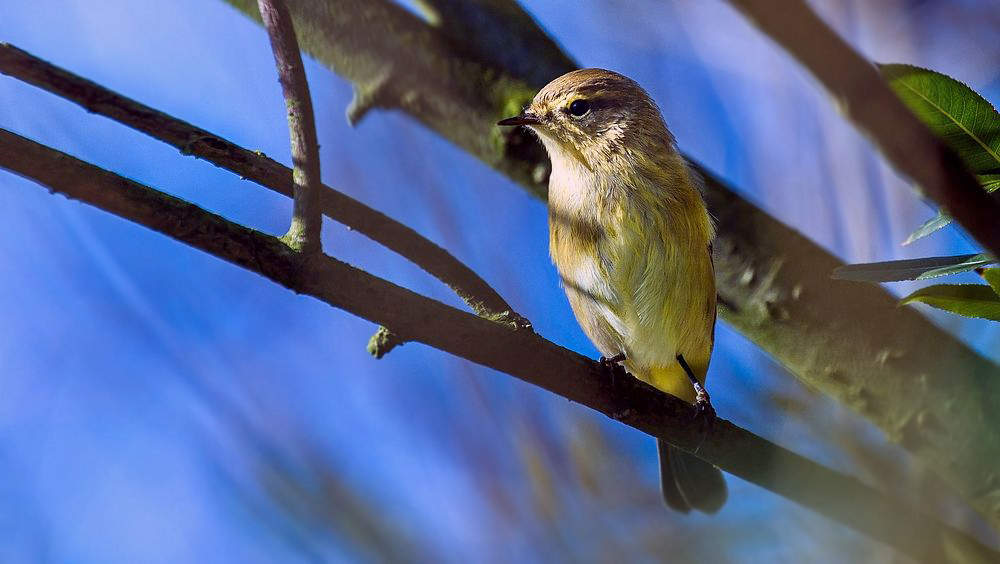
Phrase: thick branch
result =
(252, 165)
(850, 341)
(876, 111)
(307, 217)
(522, 354)
(490, 22)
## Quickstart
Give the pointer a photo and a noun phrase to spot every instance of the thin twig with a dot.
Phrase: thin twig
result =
(876, 111)
(251, 165)
(307, 218)
(522, 354)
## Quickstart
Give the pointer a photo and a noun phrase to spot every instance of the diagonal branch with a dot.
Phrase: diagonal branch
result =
(490, 22)
(849, 341)
(252, 165)
(522, 354)
(876, 111)
(307, 218)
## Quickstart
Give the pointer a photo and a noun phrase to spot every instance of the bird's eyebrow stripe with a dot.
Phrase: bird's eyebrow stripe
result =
(596, 102)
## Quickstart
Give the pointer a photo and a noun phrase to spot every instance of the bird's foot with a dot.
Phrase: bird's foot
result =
(612, 361)
(704, 415)
(613, 368)
(704, 412)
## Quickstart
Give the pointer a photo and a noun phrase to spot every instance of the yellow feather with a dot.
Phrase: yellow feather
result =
(629, 233)
(631, 238)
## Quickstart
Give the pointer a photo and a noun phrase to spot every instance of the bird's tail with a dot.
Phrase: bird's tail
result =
(688, 482)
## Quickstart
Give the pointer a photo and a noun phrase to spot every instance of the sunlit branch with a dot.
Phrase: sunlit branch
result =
(522, 354)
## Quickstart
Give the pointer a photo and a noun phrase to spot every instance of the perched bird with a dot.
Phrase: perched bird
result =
(631, 238)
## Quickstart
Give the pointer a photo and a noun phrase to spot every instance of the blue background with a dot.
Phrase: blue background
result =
(159, 405)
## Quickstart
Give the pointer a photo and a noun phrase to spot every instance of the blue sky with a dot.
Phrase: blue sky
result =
(147, 391)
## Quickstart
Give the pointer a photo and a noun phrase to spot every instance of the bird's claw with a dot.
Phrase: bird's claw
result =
(612, 361)
(612, 367)
(704, 411)
(704, 414)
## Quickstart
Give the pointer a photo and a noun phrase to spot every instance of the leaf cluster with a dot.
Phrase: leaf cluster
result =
(971, 126)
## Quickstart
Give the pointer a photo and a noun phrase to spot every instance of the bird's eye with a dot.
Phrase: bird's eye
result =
(579, 108)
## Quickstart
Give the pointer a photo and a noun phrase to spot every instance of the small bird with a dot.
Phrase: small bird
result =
(631, 238)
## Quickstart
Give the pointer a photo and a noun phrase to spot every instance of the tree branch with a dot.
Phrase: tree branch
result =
(522, 354)
(307, 218)
(865, 98)
(490, 22)
(396, 60)
(849, 341)
(252, 165)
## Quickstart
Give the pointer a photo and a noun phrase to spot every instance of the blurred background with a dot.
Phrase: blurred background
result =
(159, 405)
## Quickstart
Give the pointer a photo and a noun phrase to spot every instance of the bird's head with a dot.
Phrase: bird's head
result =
(594, 114)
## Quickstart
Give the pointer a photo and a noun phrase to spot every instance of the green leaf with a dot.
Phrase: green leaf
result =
(973, 262)
(912, 269)
(961, 117)
(930, 226)
(990, 183)
(970, 300)
(992, 276)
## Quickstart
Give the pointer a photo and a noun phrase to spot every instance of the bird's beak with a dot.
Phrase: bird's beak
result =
(525, 118)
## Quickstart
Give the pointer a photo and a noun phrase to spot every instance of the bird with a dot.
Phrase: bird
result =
(630, 236)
